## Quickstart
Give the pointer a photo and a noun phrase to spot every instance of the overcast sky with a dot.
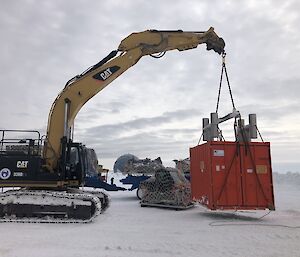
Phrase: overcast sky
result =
(156, 107)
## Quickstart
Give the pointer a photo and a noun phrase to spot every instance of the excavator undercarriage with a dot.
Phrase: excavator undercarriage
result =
(42, 206)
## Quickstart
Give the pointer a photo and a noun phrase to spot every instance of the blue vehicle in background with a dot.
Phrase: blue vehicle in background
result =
(134, 181)
(136, 170)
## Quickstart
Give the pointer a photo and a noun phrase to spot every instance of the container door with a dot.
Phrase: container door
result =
(200, 174)
(226, 175)
(257, 176)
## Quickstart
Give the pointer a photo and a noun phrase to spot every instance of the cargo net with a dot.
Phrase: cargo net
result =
(167, 187)
(183, 166)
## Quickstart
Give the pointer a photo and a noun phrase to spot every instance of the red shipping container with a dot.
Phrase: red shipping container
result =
(231, 175)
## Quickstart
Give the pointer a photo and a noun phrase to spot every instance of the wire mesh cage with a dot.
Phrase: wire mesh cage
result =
(169, 187)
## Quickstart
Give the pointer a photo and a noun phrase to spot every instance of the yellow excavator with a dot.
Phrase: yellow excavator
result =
(50, 170)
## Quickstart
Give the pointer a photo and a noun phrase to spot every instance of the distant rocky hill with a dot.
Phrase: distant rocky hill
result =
(287, 178)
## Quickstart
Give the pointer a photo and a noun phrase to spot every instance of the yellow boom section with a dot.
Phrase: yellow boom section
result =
(81, 88)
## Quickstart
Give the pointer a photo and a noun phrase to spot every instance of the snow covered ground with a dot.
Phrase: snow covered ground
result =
(126, 229)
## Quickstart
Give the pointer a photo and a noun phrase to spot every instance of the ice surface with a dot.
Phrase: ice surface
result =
(126, 229)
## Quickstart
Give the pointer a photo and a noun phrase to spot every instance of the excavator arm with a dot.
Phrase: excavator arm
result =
(83, 87)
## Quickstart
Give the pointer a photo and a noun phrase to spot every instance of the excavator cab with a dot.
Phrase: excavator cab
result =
(74, 164)
(71, 164)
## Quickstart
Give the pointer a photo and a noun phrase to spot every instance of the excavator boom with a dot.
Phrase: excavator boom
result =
(156, 41)
(83, 87)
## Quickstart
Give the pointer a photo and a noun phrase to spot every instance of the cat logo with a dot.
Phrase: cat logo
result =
(105, 74)
(22, 164)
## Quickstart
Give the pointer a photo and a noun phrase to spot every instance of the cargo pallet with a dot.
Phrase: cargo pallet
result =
(167, 206)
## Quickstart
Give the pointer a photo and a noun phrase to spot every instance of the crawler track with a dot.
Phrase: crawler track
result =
(41, 206)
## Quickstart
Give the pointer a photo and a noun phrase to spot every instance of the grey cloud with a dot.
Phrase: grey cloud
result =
(270, 112)
(147, 144)
(96, 111)
(113, 130)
